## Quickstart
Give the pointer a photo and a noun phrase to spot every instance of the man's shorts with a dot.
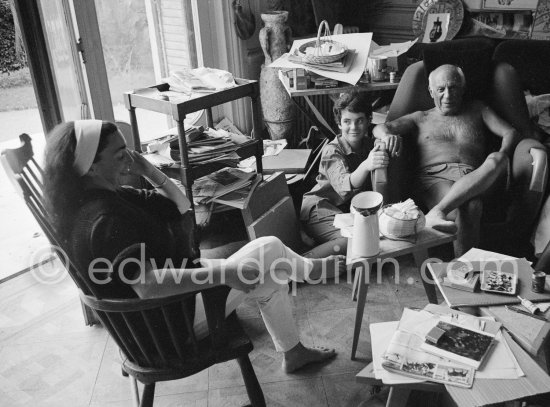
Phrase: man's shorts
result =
(431, 175)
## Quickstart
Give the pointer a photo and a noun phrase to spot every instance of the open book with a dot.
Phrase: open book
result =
(459, 343)
(404, 356)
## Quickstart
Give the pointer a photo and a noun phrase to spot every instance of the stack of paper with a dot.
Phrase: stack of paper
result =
(220, 183)
(360, 42)
(239, 198)
(343, 65)
(404, 355)
(204, 147)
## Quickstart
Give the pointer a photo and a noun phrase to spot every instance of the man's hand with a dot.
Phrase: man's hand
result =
(393, 143)
(378, 158)
(242, 277)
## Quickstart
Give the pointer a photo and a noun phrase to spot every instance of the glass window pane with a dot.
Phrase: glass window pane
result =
(60, 41)
(143, 40)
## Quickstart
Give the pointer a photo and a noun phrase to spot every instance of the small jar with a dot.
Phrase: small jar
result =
(366, 76)
(392, 77)
(538, 281)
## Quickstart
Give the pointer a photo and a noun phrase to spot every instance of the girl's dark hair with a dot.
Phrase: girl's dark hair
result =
(63, 187)
(356, 102)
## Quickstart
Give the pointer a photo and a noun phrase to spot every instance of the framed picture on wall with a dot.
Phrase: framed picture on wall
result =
(510, 4)
(437, 25)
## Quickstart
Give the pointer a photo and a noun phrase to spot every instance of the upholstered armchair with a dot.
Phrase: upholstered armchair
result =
(511, 209)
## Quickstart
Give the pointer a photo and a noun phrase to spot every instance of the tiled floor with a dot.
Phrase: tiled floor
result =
(49, 358)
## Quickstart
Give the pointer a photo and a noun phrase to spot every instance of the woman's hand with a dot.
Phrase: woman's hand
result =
(378, 158)
(393, 144)
(242, 277)
(140, 166)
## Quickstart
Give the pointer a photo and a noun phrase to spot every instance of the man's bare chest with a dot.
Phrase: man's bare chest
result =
(457, 130)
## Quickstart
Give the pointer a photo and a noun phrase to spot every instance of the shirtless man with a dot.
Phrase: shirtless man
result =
(454, 170)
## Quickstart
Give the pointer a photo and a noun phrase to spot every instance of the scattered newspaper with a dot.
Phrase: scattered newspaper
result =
(404, 357)
(219, 183)
(200, 80)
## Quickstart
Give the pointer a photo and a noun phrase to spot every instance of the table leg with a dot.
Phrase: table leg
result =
(419, 256)
(363, 285)
(355, 285)
(398, 396)
(547, 354)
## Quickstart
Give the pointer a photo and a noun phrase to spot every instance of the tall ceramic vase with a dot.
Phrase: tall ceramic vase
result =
(277, 108)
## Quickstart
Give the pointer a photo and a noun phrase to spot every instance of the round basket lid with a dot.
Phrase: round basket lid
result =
(324, 51)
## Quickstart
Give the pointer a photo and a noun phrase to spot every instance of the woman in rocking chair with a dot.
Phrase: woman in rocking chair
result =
(99, 219)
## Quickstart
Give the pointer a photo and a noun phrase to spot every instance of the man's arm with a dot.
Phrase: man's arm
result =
(391, 132)
(510, 136)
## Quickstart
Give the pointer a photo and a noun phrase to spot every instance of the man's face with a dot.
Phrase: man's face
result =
(447, 90)
(353, 125)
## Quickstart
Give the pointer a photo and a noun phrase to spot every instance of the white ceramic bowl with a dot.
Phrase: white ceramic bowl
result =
(366, 200)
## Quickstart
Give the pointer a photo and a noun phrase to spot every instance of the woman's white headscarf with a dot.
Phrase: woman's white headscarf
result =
(87, 134)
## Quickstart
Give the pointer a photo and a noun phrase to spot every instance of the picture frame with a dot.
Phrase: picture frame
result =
(510, 4)
(441, 20)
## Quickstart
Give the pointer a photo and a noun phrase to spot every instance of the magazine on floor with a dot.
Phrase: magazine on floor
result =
(220, 183)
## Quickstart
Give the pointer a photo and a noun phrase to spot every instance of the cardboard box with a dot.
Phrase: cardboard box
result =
(300, 79)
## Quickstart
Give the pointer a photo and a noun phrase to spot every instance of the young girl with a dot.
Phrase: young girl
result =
(346, 163)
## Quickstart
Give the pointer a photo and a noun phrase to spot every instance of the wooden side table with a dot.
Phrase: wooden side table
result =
(533, 335)
(483, 392)
(426, 239)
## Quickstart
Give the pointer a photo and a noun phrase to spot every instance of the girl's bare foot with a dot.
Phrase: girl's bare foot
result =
(328, 267)
(437, 220)
(300, 356)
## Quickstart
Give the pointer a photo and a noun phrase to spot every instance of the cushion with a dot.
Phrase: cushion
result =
(474, 57)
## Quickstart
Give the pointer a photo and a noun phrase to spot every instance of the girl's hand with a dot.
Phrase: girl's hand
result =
(378, 158)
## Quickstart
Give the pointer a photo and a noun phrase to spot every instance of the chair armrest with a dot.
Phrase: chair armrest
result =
(539, 177)
(530, 166)
(529, 177)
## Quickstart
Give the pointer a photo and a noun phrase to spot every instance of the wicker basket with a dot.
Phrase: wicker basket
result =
(318, 57)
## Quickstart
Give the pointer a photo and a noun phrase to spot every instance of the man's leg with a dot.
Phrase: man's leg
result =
(470, 186)
(467, 217)
(508, 99)
(468, 221)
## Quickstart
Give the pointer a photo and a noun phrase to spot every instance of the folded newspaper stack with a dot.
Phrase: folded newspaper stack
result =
(451, 349)
(202, 80)
(401, 219)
